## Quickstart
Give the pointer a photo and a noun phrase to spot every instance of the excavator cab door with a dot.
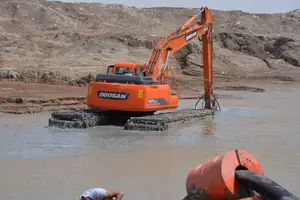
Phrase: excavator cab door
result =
(110, 69)
(138, 71)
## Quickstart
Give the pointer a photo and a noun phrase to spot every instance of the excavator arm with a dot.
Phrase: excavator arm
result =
(158, 61)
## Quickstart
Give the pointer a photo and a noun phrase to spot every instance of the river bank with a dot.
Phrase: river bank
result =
(25, 98)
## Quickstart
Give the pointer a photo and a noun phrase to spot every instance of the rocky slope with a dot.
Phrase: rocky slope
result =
(82, 38)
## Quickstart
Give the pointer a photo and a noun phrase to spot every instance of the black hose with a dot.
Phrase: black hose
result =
(216, 101)
(266, 187)
(203, 97)
(198, 101)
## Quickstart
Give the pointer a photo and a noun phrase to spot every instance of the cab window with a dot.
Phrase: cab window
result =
(122, 70)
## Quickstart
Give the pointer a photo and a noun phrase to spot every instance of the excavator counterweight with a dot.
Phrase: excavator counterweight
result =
(136, 91)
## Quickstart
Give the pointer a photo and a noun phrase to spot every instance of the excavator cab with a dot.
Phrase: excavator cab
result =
(126, 88)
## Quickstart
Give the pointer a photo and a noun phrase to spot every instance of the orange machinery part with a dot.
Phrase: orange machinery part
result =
(217, 176)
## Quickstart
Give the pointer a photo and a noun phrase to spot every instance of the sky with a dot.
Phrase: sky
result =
(253, 6)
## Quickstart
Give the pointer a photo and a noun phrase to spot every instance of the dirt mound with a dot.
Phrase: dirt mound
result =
(71, 40)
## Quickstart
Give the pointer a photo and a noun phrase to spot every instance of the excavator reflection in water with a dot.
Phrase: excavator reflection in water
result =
(209, 127)
(136, 91)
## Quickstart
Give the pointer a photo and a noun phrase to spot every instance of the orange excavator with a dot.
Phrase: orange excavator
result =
(143, 92)
(135, 89)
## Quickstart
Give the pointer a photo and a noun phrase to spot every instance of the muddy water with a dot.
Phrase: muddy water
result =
(37, 162)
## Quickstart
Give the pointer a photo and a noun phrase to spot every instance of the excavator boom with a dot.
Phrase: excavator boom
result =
(168, 45)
